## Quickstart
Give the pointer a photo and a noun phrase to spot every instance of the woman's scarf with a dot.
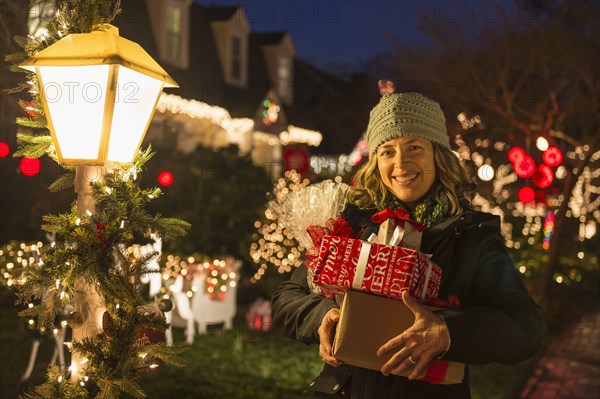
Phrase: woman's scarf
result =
(428, 213)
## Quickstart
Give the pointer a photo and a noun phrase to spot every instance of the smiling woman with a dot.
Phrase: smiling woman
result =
(412, 169)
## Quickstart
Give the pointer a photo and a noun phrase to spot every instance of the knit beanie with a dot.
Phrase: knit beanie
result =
(406, 114)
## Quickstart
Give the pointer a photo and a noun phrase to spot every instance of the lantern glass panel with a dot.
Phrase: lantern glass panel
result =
(76, 96)
(134, 105)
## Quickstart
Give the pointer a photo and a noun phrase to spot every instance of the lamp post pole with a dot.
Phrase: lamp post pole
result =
(88, 305)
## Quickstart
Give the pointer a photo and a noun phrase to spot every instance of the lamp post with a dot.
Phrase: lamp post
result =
(99, 92)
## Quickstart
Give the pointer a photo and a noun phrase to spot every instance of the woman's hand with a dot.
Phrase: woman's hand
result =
(325, 332)
(426, 339)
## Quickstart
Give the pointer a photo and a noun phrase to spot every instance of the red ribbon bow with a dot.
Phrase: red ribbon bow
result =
(400, 214)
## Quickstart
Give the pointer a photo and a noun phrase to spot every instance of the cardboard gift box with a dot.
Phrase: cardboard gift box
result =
(367, 322)
(345, 263)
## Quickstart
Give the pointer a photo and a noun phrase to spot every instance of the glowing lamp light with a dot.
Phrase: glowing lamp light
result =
(543, 176)
(99, 92)
(526, 195)
(4, 149)
(485, 172)
(516, 155)
(30, 166)
(165, 178)
(552, 156)
(525, 168)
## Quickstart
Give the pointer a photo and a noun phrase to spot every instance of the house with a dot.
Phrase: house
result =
(244, 87)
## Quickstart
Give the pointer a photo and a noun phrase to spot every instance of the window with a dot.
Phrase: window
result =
(285, 79)
(236, 58)
(283, 69)
(173, 48)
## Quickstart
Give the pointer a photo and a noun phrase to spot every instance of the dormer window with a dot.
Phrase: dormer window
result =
(236, 58)
(283, 70)
(231, 30)
(173, 48)
(170, 20)
(279, 53)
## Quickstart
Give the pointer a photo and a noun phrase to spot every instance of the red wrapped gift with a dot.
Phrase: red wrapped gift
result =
(345, 263)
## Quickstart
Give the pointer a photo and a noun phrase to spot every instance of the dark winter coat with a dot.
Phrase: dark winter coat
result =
(497, 322)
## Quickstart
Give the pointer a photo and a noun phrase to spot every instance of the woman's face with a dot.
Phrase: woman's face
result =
(407, 168)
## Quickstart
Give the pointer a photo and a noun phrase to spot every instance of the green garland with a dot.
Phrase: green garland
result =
(92, 247)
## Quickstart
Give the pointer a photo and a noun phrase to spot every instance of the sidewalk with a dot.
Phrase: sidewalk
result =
(570, 366)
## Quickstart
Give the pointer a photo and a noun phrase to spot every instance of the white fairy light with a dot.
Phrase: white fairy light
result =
(541, 143)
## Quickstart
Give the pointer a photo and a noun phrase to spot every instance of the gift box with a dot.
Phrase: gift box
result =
(367, 322)
(345, 263)
(396, 228)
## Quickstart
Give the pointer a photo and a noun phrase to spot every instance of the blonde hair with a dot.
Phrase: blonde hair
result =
(452, 183)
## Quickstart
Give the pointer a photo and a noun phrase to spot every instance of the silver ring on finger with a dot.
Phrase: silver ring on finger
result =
(412, 361)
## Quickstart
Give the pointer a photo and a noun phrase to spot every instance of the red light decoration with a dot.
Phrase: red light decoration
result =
(165, 178)
(526, 195)
(543, 176)
(30, 166)
(525, 168)
(296, 158)
(4, 149)
(516, 155)
(552, 156)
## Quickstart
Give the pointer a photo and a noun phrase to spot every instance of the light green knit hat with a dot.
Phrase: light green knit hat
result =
(406, 114)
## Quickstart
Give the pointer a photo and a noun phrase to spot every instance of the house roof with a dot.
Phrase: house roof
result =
(269, 38)
(218, 13)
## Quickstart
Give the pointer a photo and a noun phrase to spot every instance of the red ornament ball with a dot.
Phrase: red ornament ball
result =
(552, 156)
(30, 166)
(4, 149)
(525, 168)
(165, 178)
(516, 155)
(543, 176)
(526, 195)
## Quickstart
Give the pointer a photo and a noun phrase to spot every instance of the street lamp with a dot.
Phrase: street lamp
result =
(99, 92)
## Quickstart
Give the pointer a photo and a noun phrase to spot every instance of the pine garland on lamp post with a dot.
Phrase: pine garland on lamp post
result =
(89, 266)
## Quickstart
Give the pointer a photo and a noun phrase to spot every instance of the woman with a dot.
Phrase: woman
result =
(411, 167)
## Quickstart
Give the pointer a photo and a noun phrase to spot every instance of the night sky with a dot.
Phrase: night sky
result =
(343, 31)
(328, 33)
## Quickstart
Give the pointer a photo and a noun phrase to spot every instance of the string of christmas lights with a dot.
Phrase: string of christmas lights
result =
(531, 212)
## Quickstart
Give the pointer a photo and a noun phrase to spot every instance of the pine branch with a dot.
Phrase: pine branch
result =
(142, 157)
(107, 390)
(171, 228)
(65, 181)
(33, 150)
(130, 388)
(168, 354)
(20, 87)
(34, 139)
(36, 123)
(59, 223)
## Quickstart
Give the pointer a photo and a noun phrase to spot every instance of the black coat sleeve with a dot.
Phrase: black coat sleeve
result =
(297, 311)
(500, 321)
